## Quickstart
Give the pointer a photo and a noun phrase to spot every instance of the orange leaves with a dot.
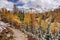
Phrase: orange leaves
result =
(27, 18)
(54, 27)
(44, 24)
(39, 20)
(10, 17)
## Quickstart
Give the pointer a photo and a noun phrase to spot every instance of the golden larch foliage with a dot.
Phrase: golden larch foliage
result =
(27, 18)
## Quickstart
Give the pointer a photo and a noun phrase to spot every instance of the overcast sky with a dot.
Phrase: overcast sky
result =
(40, 5)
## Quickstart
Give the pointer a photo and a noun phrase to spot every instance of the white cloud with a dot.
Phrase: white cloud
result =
(41, 5)
(38, 5)
(3, 0)
(6, 4)
(21, 1)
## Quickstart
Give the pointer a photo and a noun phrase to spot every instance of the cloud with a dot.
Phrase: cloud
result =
(40, 5)
(6, 4)
(37, 5)
(22, 1)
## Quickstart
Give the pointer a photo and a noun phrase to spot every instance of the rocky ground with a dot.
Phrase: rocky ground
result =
(5, 33)
(18, 35)
(11, 33)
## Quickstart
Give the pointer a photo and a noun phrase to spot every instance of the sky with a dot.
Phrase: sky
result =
(37, 5)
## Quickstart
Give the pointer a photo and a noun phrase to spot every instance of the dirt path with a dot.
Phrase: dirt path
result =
(18, 35)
